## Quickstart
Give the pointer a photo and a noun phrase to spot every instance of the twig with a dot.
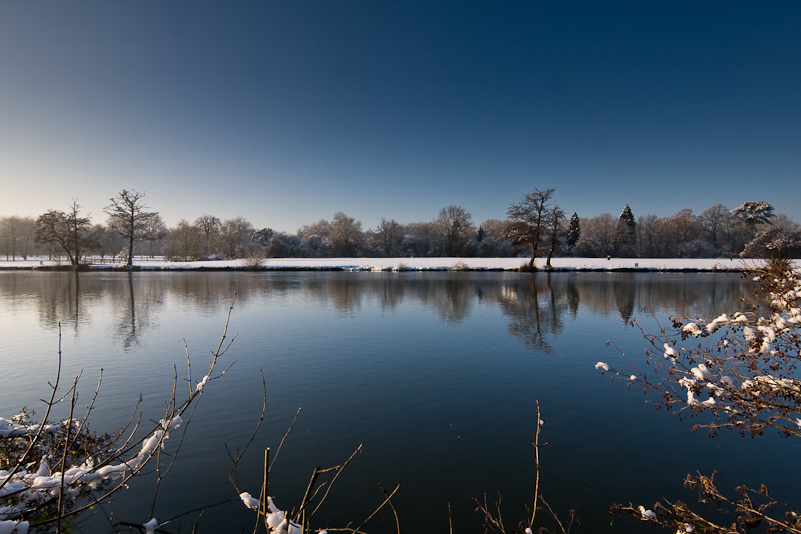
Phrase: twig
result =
(536, 444)
(450, 520)
(358, 529)
(284, 438)
(60, 506)
(397, 521)
(339, 470)
(49, 404)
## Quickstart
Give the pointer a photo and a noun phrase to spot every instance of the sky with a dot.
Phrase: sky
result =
(288, 112)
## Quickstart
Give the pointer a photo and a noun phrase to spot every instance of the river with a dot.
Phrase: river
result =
(436, 374)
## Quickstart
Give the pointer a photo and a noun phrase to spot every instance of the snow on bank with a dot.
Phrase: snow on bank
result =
(421, 264)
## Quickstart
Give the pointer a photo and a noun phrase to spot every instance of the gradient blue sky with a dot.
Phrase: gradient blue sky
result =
(287, 112)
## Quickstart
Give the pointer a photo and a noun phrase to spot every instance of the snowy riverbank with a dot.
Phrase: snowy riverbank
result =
(414, 264)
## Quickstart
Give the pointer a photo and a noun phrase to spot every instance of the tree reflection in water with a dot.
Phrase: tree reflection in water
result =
(535, 303)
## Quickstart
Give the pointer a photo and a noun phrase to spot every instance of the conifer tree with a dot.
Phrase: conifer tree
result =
(626, 235)
(573, 230)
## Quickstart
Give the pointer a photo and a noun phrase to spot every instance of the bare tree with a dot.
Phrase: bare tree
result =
(236, 237)
(209, 225)
(185, 241)
(650, 234)
(17, 234)
(419, 239)
(715, 220)
(390, 237)
(684, 233)
(67, 231)
(346, 235)
(555, 232)
(127, 216)
(529, 221)
(491, 244)
(455, 227)
(597, 236)
(314, 238)
(153, 231)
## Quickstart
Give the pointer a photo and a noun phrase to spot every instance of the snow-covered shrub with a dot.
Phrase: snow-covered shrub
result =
(50, 471)
(740, 370)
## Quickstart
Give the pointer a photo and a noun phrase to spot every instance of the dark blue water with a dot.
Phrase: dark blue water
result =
(435, 374)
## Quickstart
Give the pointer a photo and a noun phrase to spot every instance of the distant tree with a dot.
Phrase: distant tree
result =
(17, 233)
(99, 239)
(185, 241)
(264, 238)
(345, 236)
(390, 237)
(283, 245)
(127, 216)
(66, 231)
(597, 236)
(755, 212)
(529, 221)
(153, 232)
(573, 231)
(209, 226)
(491, 244)
(651, 241)
(555, 233)
(626, 234)
(754, 215)
(419, 240)
(684, 232)
(716, 221)
(455, 227)
(236, 237)
(780, 241)
(314, 239)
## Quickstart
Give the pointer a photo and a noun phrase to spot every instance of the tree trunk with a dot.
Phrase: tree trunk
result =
(131, 240)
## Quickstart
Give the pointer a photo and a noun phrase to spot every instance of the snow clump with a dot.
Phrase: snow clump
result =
(646, 514)
(692, 329)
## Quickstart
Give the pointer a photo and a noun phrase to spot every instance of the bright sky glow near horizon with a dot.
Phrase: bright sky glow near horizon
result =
(287, 112)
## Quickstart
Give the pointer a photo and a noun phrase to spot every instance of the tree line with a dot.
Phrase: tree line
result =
(535, 227)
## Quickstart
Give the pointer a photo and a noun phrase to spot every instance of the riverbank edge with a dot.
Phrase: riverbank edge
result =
(141, 269)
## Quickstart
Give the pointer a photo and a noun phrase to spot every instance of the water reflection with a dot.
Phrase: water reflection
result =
(535, 304)
(397, 359)
(535, 311)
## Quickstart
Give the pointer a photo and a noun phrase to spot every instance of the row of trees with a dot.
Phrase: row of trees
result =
(72, 234)
(535, 227)
(751, 229)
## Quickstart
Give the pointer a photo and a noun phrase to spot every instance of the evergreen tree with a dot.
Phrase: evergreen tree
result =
(626, 236)
(573, 230)
(754, 214)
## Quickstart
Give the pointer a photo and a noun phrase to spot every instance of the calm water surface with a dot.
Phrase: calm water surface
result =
(436, 374)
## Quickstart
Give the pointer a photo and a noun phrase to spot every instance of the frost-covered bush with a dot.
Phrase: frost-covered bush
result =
(740, 370)
(52, 471)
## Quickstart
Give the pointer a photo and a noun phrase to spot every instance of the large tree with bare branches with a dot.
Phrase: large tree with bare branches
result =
(530, 221)
(127, 216)
(66, 231)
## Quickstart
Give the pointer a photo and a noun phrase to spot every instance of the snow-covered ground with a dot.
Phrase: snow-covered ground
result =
(419, 264)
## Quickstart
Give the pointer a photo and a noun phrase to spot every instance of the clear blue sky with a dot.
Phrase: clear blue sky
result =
(287, 112)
